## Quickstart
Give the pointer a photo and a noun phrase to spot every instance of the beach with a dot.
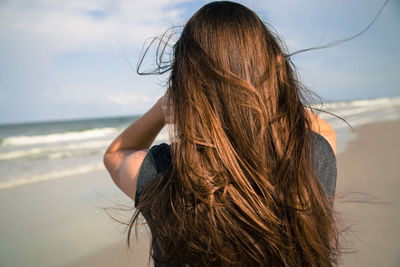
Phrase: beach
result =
(61, 222)
(368, 165)
(55, 222)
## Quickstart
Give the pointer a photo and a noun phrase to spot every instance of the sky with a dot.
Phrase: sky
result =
(76, 59)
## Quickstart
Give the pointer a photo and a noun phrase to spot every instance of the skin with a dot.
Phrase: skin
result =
(126, 153)
(323, 128)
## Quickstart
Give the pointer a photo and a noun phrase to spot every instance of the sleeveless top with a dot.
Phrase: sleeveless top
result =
(158, 160)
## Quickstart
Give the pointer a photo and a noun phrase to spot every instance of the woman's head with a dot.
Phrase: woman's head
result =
(228, 66)
(230, 83)
(230, 38)
(241, 187)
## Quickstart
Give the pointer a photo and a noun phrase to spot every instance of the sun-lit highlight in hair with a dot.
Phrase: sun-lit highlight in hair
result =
(241, 189)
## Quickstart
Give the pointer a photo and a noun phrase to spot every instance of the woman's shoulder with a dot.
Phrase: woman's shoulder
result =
(161, 156)
(322, 144)
(156, 161)
(324, 163)
(323, 128)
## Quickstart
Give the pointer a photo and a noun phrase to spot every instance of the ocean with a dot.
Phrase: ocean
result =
(38, 152)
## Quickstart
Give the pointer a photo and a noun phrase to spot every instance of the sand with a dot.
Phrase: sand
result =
(56, 222)
(371, 165)
(60, 223)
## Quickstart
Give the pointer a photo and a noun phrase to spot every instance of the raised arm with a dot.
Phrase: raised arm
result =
(125, 155)
(323, 128)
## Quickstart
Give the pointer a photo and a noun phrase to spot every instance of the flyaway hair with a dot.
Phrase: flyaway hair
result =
(241, 189)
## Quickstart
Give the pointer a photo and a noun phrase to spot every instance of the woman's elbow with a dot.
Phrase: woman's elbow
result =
(106, 160)
(112, 161)
(124, 167)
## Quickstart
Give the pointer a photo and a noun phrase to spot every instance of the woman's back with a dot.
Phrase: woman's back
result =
(244, 181)
(158, 160)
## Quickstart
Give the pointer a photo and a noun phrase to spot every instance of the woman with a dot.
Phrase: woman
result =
(250, 175)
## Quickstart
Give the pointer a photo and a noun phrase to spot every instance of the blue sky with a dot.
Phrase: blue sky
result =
(66, 59)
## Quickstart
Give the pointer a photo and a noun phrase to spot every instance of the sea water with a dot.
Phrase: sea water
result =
(38, 152)
(356, 113)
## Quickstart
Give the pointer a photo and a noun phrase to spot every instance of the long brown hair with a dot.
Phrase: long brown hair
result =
(241, 189)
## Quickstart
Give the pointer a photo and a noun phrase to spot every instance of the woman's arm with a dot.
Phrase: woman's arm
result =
(323, 128)
(125, 155)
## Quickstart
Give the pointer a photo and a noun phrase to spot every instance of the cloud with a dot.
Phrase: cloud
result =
(35, 34)
(75, 25)
(93, 94)
(124, 99)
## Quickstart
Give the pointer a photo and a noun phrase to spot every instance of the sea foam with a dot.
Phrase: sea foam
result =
(359, 112)
(59, 137)
(45, 150)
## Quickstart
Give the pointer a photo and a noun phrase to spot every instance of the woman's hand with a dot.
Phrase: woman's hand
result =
(141, 133)
(167, 109)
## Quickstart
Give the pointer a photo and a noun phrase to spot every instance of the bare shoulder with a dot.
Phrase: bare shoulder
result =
(322, 127)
